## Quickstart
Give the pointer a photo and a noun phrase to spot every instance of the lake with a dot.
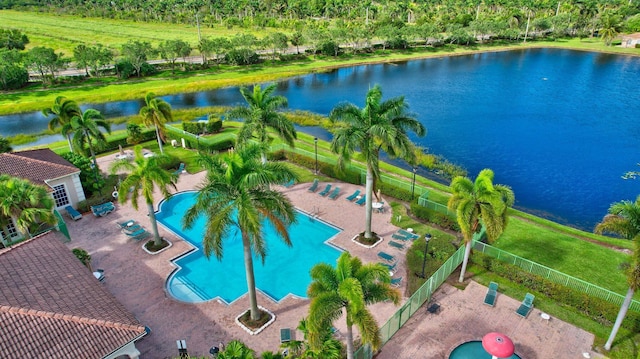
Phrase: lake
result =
(558, 126)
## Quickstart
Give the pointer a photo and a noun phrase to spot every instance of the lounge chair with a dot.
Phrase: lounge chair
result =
(362, 201)
(102, 210)
(326, 190)
(353, 196)
(492, 292)
(290, 184)
(139, 234)
(132, 228)
(381, 208)
(400, 237)
(314, 186)
(180, 169)
(396, 281)
(408, 234)
(335, 193)
(526, 306)
(386, 256)
(391, 267)
(75, 215)
(285, 335)
(126, 224)
(396, 244)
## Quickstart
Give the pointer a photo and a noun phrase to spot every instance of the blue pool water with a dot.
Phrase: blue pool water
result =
(285, 270)
(473, 350)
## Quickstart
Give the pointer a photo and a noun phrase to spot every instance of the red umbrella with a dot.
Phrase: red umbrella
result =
(498, 345)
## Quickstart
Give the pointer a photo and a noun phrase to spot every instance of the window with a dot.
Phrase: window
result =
(11, 230)
(60, 196)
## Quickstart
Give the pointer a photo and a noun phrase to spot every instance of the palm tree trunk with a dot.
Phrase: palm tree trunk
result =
(93, 155)
(368, 202)
(159, 141)
(526, 31)
(251, 281)
(621, 314)
(69, 142)
(467, 252)
(154, 225)
(349, 342)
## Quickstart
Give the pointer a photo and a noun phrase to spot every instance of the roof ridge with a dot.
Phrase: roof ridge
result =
(70, 318)
(43, 161)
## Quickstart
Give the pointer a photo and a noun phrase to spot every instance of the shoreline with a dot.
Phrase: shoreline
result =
(229, 80)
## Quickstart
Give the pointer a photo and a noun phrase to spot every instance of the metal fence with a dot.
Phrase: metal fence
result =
(438, 207)
(422, 295)
(554, 276)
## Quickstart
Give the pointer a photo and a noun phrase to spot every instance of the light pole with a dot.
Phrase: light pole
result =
(413, 184)
(427, 238)
(315, 140)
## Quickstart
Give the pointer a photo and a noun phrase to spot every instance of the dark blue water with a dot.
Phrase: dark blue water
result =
(558, 126)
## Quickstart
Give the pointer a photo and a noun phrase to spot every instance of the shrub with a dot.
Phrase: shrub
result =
(241, 57)
(329, 48)
(435, 217)
(87, 174)
(134, 134)
(83, 256)
(124, 69)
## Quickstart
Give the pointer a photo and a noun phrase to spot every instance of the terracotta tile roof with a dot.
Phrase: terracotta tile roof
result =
(51, 305)
(631, 36)
(36, 165)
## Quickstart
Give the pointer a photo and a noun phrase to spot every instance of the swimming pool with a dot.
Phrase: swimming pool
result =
(285, 270)
(473, 350)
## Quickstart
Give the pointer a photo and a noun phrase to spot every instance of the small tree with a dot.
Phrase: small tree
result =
(171, 50)
(5, 145)
(137, 53)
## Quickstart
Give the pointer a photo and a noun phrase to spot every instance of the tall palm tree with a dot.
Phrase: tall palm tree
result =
(156, 113)
(477, 204)
(349, 287)
(63, 110)
(236, 193)
(261, 114)
(86, 130)
(624, 219)
(144, 175)
(24, 204)
(378, 126)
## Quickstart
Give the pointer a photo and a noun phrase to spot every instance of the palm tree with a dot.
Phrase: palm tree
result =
(331, 347)
(236, 349)
(236, 193)
(377, 126)
(85, 127)
(624, 219)
(144, 175)
(24, 204)
(477, 204)
(156, 113)
(349, 287)
(260, 114)
(64, 110)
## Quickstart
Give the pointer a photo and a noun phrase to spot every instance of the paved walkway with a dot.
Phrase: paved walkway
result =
(138, 279)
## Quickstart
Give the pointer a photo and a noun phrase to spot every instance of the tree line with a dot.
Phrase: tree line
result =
(328, 27)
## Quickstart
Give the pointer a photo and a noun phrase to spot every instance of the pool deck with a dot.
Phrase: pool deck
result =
(137, 279)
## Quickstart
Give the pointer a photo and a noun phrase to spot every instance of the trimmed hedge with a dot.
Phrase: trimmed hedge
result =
(595, 308)
(435, 217)
(113, 144)
(198, 128)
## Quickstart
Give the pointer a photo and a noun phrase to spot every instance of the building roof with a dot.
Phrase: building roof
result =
(36, 166)
(631, 36)
(52, 306)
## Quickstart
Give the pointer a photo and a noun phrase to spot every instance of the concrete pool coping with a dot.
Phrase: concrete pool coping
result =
(137, 280)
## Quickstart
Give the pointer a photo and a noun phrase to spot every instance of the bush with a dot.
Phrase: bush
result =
(434, 217)
(329, 48)
(87, 174)
(241, 57)
(595, 308)
(83, 256)
(124, 69)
